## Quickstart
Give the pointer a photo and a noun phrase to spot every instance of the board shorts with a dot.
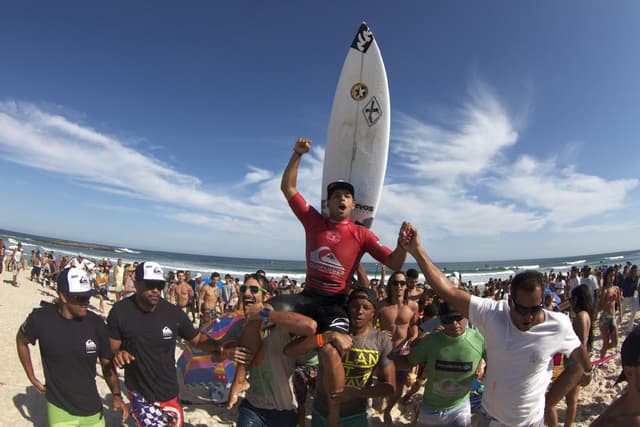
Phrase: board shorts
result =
(486, 420)
(459, 416)
(208, 315)
(58, 417)
(329, 311)
(607, 320)
(156, 414)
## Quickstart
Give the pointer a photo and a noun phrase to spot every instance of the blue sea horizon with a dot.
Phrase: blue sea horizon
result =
(478, 272)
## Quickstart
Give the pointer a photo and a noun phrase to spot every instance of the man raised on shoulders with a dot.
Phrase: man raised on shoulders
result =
(521, 339)
(334, 247)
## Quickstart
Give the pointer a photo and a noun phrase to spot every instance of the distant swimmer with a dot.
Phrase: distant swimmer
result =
(334, 247)
(521, 339)
(71, 339)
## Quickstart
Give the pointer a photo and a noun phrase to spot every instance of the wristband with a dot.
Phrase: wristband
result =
(320, 340)
(116, 394)
(264, 315)
(298, 154)
(587, 374)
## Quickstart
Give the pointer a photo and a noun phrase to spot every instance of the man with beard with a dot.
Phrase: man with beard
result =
(369, 350)
(71, 338)
(143, 329)
(516, 331)
(270, 400)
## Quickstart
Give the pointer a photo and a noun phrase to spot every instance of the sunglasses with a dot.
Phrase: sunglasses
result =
(521, 309)
(79, 300)
(450, 319)
(254, 289)
(154, 285)
(398, 283)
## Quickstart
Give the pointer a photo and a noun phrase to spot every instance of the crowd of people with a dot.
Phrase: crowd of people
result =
(369, 344)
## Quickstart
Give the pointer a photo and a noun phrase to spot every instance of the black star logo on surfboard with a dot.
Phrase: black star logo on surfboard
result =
(372, 111)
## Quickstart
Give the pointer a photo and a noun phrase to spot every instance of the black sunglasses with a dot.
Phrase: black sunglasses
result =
(80, 300)
(524, 310)
(398, 283)
(450, 319)
(253, 288)
(154, 285)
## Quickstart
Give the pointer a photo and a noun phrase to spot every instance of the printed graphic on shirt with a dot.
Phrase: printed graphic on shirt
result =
(167, 333)
(323, 259)
(90, 347)
(358, 364)
(444, 365)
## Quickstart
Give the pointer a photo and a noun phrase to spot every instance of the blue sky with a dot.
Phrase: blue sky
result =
(165, 125)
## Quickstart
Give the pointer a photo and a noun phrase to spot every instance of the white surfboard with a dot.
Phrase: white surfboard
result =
(358, 136)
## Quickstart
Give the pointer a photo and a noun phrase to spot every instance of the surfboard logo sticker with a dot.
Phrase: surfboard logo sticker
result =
(363, 39)
(372, 111)
(359, 91)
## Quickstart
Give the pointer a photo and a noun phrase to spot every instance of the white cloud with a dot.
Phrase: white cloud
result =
(482, 130)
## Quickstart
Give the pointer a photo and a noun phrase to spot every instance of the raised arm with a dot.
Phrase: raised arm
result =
(290, 174)
(458, 298)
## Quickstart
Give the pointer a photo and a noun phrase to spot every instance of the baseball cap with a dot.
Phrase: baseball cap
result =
(149, 271)
(340, 185)
(445, 310)
(363, 293)
(197, 276)
(630, 352)
(74, 281)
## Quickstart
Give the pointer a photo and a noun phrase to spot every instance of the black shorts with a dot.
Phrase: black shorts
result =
(329, 311)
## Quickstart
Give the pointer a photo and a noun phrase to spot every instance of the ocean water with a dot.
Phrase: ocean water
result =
(479, 272)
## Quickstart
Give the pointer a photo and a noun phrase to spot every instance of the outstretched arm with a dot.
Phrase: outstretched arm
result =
(290, 174)
(458, 298)
(396, 259)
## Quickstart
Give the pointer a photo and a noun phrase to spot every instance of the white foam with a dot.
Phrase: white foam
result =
(581, 261)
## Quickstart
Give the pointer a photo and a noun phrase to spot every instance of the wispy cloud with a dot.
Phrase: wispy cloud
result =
(459, 180)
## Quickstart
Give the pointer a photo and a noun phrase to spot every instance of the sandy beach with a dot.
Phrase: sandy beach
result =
(22, 405)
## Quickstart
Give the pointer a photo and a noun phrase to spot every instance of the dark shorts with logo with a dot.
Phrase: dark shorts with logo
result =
(329, 311)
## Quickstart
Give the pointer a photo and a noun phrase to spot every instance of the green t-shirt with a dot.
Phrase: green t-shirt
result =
(451, 365)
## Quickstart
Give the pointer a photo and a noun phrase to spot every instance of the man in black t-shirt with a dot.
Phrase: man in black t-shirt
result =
(71, 338)
(143, 329)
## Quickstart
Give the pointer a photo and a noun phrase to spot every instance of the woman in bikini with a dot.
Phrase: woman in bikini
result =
(582, 305)
(609, 299)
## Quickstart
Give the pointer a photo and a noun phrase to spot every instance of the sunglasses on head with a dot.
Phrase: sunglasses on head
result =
(154, 285)
(450, 319)
(254, 289)
(524, 310)
(398, 283)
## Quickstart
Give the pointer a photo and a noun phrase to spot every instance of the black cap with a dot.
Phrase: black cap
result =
(630, 352)
(340, 185)
(446, 310)
(363, 293)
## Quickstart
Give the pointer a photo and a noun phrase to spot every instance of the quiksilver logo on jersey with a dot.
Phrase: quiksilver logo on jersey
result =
(323, 259)
(167, 333)
(90, 346)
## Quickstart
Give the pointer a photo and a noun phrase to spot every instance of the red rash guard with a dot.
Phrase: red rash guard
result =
(334, 248)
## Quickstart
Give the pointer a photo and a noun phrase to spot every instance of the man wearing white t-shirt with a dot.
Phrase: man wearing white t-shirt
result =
(521, 339)
(591, 281)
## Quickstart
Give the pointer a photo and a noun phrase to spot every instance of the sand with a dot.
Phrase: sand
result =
(22, 405)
